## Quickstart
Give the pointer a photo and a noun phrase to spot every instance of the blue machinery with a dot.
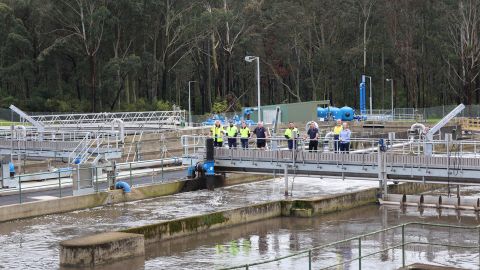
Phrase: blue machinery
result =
(363, 107)
(205, 170)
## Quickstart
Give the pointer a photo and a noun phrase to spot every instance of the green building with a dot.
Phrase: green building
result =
(290, 112)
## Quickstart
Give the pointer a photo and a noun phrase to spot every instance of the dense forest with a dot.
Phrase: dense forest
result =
(110, 55)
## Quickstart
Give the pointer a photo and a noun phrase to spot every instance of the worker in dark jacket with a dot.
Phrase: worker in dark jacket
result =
(312, 134)
(261, 134)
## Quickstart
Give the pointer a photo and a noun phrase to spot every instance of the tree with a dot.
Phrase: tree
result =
(82, 24)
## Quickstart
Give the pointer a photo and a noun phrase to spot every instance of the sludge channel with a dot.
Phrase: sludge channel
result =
(33, 243)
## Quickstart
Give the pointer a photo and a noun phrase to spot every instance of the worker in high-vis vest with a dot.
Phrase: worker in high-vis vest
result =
(291, 134)
(244, 135)
(336, 135)
(232, 133)
(217, 133)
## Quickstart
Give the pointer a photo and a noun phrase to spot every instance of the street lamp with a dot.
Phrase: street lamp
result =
(190, 104)
(371, 102)
(391, 87)
(251, 59)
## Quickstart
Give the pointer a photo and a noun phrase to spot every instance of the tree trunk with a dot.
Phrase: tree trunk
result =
(93, 74)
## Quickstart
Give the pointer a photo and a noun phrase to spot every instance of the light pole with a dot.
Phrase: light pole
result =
(190, 104)
(391, 87)
(251, 59)
(371, 98)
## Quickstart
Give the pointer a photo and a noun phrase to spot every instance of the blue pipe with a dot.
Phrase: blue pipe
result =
(123, 185)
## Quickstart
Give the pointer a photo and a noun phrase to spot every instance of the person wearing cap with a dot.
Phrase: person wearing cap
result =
(345, 139)
(291, 134)
(217, 133)
(232, 132)
(244, 135)
(336, 135)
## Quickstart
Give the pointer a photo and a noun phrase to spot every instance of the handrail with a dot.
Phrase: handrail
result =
(359, 237)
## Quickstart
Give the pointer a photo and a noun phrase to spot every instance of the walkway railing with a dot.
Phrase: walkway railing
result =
(408, 147)
(314, 254)
(135, 173)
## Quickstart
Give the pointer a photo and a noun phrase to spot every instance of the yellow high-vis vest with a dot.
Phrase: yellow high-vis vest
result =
(244, 132)
(232, 131)
(217, 133)
(337, 130)
(289, 132)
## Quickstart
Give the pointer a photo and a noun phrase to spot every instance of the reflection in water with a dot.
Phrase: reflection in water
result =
(278, 237)
(39, 237)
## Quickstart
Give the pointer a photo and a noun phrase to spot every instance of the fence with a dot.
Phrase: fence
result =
(61, 180)
(397, 238)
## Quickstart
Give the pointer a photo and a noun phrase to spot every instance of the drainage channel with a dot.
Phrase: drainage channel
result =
(39, 237)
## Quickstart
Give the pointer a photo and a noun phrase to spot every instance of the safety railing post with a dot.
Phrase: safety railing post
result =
(359, 253)
(95, 185)
(403, 245)
(20, 187)
(59, 184)
(131, 176)
(162, 169)
(310, 259)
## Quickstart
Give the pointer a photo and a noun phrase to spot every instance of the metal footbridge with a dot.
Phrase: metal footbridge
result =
(130, 121)
(375, 166)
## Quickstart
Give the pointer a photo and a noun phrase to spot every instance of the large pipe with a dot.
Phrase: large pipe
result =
(121, 128)
(148, 163)
(20, 132)
(418, 126)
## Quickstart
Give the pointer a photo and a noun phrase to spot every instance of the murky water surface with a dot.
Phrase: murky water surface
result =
(33, 243)
(278, 237)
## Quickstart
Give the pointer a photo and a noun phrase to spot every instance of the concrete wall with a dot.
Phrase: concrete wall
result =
(100, 249)
(299, 208)
(196, 224)
(67, 204)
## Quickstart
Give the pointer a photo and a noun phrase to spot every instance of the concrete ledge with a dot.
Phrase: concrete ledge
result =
(298, 208)
(100, 249)
(187, 226)
(72, 203)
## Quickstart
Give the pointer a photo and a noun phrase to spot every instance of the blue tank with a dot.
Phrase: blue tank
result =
(322, 112)
(333, 112)
(346, 114)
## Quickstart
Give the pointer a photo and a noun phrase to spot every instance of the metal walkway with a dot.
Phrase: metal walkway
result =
(394, 167)
(131, 120)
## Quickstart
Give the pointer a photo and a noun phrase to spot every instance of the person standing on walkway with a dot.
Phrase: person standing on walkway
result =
(345, 139)
(313, 135)
(232, 133)
(217, 133)
(244, 135)
(261, 134)
(291, 134)
(336, 135)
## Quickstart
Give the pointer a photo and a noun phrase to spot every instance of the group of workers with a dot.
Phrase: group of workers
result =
(341, 134)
